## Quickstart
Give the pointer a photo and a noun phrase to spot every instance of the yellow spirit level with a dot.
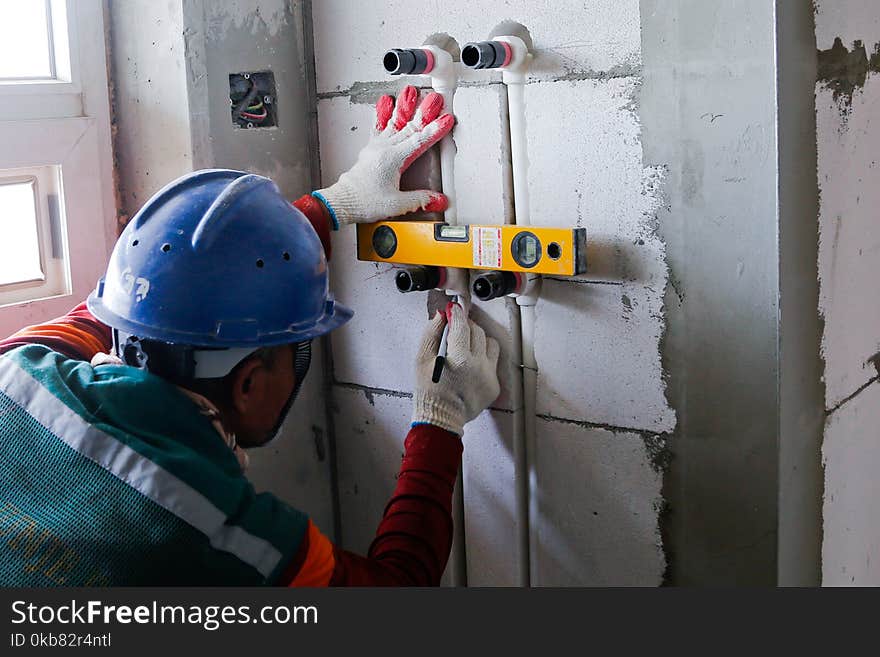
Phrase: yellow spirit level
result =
(526, 249)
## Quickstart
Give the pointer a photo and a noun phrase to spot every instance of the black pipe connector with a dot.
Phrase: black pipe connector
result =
(494, 284)
(409, 61)
(417, 279)
(484, 54)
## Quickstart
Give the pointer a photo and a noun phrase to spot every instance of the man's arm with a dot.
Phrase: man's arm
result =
(413, 540)
(318, 215)
(76, 335)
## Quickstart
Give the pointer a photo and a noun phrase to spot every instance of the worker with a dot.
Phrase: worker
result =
(124, 425)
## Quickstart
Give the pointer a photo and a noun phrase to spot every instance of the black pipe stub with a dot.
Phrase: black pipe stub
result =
(494, 284)
(406, 61)
(417, 279)
(485, 54)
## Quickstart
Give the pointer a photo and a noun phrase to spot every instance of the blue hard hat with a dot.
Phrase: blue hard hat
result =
(218, 259)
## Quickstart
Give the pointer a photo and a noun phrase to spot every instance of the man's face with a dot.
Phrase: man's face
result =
(262, 397)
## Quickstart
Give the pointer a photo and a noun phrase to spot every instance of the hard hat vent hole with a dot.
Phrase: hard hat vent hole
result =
(260, 263)
(135, 243)
(166, 247)
(285, 255)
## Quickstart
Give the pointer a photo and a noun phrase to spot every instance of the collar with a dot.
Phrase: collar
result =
(209, 410)
(205, 406)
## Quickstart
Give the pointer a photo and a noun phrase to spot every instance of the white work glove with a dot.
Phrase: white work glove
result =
(370, 190)
(469, 382)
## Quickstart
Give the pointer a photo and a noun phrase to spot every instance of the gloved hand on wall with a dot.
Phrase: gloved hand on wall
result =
(469, 382)
(370, 190)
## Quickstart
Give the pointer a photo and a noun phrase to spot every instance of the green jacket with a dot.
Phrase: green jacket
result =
(111, 476)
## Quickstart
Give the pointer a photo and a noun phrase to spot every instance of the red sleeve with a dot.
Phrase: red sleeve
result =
(318, 216)
(412, 543)
(76, 335)
(413, 540)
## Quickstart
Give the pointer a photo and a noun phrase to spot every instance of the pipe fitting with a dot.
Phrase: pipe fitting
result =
(508, 53)
(419, 279)
(425, 60)
(486, 54)
(493, 284)
(456, 282)
(408, 61)
(529, 290)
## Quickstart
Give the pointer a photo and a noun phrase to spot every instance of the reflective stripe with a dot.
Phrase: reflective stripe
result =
(137, 471)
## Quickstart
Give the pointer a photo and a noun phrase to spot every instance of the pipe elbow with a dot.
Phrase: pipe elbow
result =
(424, 60)
(529, 291)
(507, 53)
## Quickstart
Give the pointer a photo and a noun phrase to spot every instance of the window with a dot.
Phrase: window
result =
(57, 212)
(20, 251)
(34, 42)
(33, 262)
(26, 40)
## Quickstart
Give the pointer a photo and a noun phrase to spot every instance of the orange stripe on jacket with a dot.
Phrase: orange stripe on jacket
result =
(82, 342)
(319, 563)
(77, 335)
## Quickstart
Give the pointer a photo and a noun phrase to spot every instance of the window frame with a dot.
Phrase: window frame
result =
(65, 123)
(55, 280)
(63, 62)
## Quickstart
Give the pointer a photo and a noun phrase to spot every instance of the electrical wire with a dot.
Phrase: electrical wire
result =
(255, 117)
(245, 102)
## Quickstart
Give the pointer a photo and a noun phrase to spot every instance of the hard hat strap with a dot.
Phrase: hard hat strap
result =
(177, 362)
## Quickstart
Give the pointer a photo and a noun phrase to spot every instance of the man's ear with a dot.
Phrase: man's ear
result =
(244, 384)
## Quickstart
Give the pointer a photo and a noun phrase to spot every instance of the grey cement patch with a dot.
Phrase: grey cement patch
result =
(844, 71)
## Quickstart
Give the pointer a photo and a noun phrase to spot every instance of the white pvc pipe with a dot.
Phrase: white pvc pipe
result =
(519, 156)
(444, 79)
(447, 161)
(524, 421)
(528, 476)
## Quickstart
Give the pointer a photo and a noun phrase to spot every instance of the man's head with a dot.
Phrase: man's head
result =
(219, 284)
(255, 397)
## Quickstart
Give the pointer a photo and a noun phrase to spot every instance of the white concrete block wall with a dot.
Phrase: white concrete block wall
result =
(490, 520)
(597, 338)
(848, 141)
(849, 247)
(482, 160)
(370, 429)
(596, 347)
(598, 182)
(599, 502)
(851, 454)
(574, 37)
(368, 288)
